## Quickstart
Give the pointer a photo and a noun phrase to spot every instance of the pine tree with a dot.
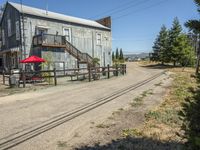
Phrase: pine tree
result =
(160, 46)
(185, 52)
(194, 25)
(121, 55)
(113, 56)
(156, 49)
(174, 33)
(117, 54)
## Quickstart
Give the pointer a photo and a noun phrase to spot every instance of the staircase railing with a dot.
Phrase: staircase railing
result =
(58, 40)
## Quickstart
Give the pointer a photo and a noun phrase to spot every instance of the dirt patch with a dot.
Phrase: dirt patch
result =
(5, 90)
(168, 125)
(121, 127)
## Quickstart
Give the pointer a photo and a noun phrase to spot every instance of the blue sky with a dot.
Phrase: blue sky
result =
(135, 23)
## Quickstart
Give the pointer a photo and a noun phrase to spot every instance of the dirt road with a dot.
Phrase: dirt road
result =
(26, 110)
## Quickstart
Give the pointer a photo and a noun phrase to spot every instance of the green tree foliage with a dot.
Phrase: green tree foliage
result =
(174, 33)
(117, 54)
(121, 55)
(184, 51)
(160, 46)
(194, 25)
(113, 55)
(47, 65)
(95, 61)
(198, 4)
(173, 46)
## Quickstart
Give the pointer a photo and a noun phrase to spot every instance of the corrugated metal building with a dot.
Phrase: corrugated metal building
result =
(69, 40)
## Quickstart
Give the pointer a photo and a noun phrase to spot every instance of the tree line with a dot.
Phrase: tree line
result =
(173, 46)
(194, 27)
(118, 56)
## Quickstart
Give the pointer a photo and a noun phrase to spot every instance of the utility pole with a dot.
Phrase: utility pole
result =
(198, 56)
(23, 34)
(47, 7)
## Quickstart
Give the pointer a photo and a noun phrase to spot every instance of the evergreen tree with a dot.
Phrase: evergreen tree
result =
(174, 33)
(117, 54)
(185, 52)
(155, 54)
(121, 55)
(194, 25)
(113, 56)
(160, 46)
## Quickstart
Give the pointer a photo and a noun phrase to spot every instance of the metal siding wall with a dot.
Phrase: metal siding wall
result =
(10, 42)
(83, 38)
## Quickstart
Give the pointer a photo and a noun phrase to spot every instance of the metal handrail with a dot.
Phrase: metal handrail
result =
(60, 40)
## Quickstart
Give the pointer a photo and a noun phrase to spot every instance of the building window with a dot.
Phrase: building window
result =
(9, 28)
(67, 34)
(98, 36)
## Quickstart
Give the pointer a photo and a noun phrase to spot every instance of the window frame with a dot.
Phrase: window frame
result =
(9, 27)
(99, 40)
(70, 34)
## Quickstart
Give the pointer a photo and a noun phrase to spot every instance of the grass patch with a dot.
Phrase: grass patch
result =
(131, 132)
(116, 112)
(158, 84)
(139, 100)
(103, 126)
(168, 122)
(62, 144)
(169, 117)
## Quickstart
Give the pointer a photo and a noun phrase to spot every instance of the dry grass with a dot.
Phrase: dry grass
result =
(147, 62)
(165, 123)
(138, 101)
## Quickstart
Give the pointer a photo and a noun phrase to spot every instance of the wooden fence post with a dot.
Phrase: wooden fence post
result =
(24, 79)
(89, 73)
(122, 69)
(108, 71)
(64, 68)
(125, 68)
(55, 78)
(3, 77)
(116, 70)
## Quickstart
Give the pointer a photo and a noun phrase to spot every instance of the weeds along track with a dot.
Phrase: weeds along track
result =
(26, 134)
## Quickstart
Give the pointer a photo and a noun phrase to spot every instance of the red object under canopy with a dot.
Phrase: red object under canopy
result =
(32, 59)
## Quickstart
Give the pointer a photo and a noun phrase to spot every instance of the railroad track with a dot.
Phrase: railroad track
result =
(22, 136)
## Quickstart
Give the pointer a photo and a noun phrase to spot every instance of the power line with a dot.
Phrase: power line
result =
(134, 40)
(154, 5)
(130, 6)
(105, 12)
(122, 7)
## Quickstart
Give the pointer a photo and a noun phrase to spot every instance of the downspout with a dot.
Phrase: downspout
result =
(23, 35)
(92, 44)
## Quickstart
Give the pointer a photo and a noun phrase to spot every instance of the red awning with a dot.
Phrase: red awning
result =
(32, 59)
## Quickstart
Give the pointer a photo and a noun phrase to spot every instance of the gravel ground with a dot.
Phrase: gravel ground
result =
(25, 110)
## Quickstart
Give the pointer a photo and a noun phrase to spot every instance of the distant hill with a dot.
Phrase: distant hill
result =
(132, 56)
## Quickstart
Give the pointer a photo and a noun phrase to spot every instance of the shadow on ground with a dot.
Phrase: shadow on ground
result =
(158, 66)
(191, 115)
(131, 143)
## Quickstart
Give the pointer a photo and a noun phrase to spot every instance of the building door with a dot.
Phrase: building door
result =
(1, 62)
(42, 31)
(67, 34)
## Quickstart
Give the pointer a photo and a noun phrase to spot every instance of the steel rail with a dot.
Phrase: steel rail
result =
(20, 137)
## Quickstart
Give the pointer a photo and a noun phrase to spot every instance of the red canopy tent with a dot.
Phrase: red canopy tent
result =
(32, 59)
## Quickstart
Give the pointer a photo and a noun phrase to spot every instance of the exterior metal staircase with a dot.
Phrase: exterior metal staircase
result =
(81, 57)
(48, 40)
